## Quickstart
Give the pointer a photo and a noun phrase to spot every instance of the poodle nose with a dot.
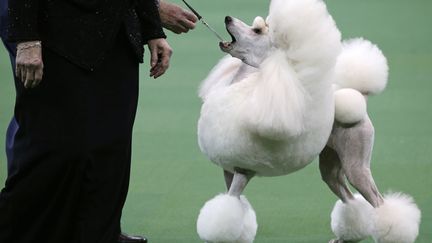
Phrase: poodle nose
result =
(228, 19)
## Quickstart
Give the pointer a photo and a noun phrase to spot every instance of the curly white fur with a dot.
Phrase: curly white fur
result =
(397, 220)
(303, 41)
(220, 76)
(361, 66)
(288, 99)
(350, 106)
(250, 224)
(352, 221)
(277, 102)
(227, 218)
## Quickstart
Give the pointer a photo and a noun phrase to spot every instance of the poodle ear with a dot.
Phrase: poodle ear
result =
(267, 21)
(260, 24)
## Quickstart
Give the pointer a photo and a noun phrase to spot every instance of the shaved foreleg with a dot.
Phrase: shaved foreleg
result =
(332, 173)
(239, 182)
(228, 179)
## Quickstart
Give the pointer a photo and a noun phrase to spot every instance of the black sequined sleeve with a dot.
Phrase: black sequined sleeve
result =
(23, 20)
(148, 13)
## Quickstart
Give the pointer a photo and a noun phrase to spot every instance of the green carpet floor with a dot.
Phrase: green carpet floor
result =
(171, 179)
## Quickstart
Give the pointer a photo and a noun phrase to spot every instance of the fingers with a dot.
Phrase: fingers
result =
(38, 75)
(154, 69)
(34, 77)
(185, 22)
(175, 18)
(183, 25)
(187, 25)
(162, 65)
(191, 17)
(160, 56)
(29, 77)
(178, 29)
(29, 65)
(23, 74)
(30, 74)
(154, 56)
(18, 71)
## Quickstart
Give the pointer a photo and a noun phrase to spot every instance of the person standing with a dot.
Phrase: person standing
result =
(174, 18)
(77, 88)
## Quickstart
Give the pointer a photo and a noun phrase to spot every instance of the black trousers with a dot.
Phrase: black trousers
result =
(71, 152)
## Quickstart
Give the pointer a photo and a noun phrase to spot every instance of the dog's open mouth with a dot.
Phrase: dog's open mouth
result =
(226, 45)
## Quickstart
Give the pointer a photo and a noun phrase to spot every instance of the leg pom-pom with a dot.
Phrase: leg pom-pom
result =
(227, 218)
(397, 220)
(352, 221)
(250, 225)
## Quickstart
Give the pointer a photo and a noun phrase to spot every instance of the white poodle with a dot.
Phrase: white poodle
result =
(292, 91)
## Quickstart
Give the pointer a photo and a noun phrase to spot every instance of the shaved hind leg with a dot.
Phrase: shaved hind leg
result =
(332, 173)
(354, 147)
(348, 154)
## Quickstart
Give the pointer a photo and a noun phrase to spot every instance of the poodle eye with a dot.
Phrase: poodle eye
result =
(257, 31)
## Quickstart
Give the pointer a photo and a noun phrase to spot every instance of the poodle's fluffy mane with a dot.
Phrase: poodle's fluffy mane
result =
(307, 34)
(299, 67)
(297, 72)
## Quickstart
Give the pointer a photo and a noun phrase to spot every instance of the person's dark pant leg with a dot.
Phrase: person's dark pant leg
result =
(112, 112)
(10, 140)
(72, 152)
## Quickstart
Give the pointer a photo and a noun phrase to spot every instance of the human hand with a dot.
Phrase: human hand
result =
(29, 65)
(175, 18)
(160, 56)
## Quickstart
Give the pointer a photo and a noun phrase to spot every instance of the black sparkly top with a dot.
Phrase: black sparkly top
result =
(84, 30)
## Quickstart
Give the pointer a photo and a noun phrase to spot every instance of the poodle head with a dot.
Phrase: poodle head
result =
(251, 44)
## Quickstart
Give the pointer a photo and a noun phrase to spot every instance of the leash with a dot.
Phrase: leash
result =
(203, 21)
